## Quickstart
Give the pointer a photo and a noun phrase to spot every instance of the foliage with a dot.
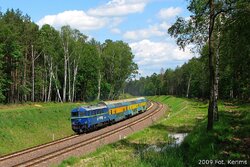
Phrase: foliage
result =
(231, 36)
(118, 66)
(58, 65)
(174, 82)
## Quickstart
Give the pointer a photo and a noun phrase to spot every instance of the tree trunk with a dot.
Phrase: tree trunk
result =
(69, 80)
(50, 79)
(216, 84)
(187, 95)
(110, 93)
(99, 85)
(33, 74)
(211, 68)
(16, 83)
(24, 76)
(65, 78)
(66, 53)
(74, 79)
(45, 79)
(231, 93)
(57, 89)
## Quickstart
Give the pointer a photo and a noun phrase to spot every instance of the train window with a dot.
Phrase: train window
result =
(74, 114)
(82, 114)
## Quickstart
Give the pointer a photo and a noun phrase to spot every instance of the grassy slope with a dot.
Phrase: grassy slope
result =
(228, 140)
(23, 126)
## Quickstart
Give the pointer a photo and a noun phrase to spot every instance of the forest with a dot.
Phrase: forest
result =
(42, 64)
(231, 60)
(219, 32)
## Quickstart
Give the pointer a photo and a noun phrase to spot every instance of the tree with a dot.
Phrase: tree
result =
(99, 48)
(118, 66)
(49, 42)
(32, 67)
(194, 30)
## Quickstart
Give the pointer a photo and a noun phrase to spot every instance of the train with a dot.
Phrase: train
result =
(89, 118)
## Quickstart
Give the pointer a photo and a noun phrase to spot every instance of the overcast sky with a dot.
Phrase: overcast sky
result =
(142, 24)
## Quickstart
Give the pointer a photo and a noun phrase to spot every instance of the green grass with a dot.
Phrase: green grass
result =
(229, 140)
(23, 126)
(138, 149)
(27, 125)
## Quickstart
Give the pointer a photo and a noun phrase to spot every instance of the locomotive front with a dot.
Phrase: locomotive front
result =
(78, 121)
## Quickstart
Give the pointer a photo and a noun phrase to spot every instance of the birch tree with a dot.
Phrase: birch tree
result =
(195, 31)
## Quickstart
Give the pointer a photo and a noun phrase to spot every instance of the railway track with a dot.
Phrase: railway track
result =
(76, 145)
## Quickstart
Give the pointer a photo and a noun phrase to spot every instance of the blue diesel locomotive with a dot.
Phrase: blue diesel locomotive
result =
(87, 118)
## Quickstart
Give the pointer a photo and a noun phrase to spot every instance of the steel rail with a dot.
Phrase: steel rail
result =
(61, 151)
(54, 154)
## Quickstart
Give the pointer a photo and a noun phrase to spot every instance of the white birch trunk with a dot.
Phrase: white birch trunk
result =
(74, 80)
(45, 79)
(50, 79)
(65, 70)
(65, 79)
(69, 80)
(188, 86)
(57, 89)
(216, 84)
(99, 85)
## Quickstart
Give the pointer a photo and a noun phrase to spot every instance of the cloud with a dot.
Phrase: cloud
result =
(151, 56)
(164, 26)
(114, 21)
(156, 30)
(119, 8)
(109, 15)
(115, 30)
(167, 13)
(143, 33)
(76, 19)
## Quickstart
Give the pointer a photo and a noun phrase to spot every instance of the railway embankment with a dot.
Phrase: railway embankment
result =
(28, 125)
(153, 146)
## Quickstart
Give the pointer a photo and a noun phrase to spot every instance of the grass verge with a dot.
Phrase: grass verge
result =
(226, 145)
(27, 125)
(149, 147)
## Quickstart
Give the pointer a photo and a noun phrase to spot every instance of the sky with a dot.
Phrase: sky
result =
(143, 24)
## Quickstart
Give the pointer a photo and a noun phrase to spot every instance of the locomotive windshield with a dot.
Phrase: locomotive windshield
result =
(74, 114)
